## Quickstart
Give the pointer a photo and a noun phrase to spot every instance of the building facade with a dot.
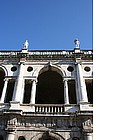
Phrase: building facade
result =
(46, 94)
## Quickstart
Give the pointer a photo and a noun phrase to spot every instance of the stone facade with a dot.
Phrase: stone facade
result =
(46, 95)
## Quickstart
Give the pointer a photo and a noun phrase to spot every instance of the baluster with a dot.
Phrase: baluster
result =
(48, 109)
(55, 109)
(59, 109)
(36, 109)
(45, 108)
(39, 109)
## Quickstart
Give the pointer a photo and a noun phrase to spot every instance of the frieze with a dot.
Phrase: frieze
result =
(47, 122)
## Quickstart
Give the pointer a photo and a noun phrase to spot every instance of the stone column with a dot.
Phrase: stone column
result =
(10, 136)
(81, 84)
(19, 84)
(88, 136)
(33, 92)
(66, 95)
(4, 91)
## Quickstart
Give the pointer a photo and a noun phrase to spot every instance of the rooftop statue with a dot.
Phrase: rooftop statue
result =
(77, 43)
(26, 44)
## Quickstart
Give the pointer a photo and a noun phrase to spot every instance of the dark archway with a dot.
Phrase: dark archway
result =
(50, 88)
(1, 137)
(2, 76)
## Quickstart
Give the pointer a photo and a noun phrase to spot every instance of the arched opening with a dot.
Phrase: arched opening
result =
(9, 91)
(50, 136)
(75, 138)
(1, 137)
(27, 91)
(50, 88)
(72, 91)
(21, 138)
(2, 75)
(89, 87)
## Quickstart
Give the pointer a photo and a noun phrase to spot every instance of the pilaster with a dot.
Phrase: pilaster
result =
(81, 84)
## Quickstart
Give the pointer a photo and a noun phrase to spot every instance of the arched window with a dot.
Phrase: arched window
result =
(50, 88)
(21, 138)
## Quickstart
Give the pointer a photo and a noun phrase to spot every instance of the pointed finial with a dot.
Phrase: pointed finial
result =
(77, 43)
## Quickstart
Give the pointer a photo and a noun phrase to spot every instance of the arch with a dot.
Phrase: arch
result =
(50, 86)
(4, 69)
(21, 138)
(48, 136)
(53, 68)
(75, 138)
(2, 77)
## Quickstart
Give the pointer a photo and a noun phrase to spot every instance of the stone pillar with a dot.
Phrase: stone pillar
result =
(10, 136)
(81, 84)
(88, 136)
(66, 95)
(22, 91)
(4, 91)
(77, 91)
(18, 89)
(33, 92)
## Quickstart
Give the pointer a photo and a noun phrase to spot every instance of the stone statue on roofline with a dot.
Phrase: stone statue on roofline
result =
(77, 43)
(26, 44)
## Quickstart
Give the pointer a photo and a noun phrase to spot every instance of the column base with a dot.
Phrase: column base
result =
(14, 105)
(85, 107)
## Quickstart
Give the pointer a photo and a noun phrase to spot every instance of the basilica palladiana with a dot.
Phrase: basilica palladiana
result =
(46, 94)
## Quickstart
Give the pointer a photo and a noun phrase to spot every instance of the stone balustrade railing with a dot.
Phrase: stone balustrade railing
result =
(44, 108)
(49, 108)
(43, 53)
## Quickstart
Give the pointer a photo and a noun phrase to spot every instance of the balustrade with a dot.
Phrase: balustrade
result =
(41, 53)
(49, 109)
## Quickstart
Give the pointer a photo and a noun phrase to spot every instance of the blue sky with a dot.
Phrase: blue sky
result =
(47, 24)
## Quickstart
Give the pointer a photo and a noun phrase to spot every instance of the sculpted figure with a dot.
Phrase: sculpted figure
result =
(26, 44)
(77, 43)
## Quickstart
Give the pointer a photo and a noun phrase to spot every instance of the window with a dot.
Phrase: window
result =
(13, 68)
(29, 69)
(87, 69)
(21, 138)
(27, 91)
(70, 68)
(10, 89)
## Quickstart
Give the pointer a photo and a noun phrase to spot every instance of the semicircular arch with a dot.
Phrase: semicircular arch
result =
(53, 68)
(48, 135)
(3, 68)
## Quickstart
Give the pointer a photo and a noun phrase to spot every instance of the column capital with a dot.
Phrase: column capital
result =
(78, 61)
(65, 79)
(11, 132)
(34, 80)
(6, 79)
(21, 62)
